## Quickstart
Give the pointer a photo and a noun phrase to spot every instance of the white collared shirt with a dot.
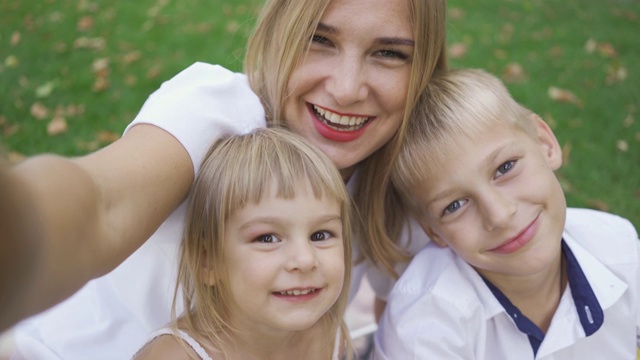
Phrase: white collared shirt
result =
(442, 309)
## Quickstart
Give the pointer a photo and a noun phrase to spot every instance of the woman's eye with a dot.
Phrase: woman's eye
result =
(267, 238)
(320, 235)
(392, 54)
(319, 39)
(454, 206)
(505, 168)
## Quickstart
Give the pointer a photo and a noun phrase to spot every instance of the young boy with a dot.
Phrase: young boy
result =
(511, 273)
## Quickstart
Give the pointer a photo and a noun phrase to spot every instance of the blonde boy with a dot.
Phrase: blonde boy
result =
(511, 272)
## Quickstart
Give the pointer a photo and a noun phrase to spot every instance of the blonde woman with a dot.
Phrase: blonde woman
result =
(343, 74)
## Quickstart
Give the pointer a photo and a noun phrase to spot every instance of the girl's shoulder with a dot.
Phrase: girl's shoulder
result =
(167, 344)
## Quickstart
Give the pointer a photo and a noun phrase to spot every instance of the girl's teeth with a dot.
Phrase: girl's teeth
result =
(297, 292)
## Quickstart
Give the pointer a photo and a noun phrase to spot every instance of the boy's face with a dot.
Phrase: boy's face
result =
(497, 203)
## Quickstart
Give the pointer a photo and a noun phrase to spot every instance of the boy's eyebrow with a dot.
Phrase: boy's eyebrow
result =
(381, 40)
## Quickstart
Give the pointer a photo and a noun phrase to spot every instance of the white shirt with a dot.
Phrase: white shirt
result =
(442, 309)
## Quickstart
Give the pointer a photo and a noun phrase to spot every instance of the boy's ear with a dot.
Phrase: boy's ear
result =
(431, 233)
(548, 142)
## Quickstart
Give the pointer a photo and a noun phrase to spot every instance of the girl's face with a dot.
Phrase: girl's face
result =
(285, 259)
(347, 96)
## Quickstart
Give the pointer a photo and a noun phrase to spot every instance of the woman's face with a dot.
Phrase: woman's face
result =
(347, 96)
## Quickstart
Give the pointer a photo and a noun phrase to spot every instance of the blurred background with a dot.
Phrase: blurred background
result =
(73, 74)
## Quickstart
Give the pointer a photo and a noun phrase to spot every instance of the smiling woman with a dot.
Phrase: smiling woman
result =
(362, 60)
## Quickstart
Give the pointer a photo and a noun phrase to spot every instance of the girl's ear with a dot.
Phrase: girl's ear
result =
(551, 149)
(428, 229)
(207, 270)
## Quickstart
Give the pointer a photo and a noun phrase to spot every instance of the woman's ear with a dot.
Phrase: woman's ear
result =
(547, 140)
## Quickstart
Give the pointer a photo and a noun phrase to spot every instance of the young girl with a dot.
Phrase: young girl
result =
(265, 255)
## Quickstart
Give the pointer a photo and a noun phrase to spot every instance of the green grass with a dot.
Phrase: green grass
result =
(147, 42)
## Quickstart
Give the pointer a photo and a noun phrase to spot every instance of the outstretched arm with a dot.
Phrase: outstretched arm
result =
(80, 218)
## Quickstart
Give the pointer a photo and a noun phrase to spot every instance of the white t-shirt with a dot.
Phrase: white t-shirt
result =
(440, 308)
(112, 316)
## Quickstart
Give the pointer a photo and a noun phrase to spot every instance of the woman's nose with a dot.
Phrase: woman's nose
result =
(348, 83)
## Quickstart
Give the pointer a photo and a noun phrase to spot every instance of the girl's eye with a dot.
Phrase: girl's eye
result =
(392, 54)
(320, 236)
(267, 238)
(454, 206)
(505, 168)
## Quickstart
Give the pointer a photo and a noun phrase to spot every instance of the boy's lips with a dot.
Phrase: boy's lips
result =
(520, 240)
(338, 127)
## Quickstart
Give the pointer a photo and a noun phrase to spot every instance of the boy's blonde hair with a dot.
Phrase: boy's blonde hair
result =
(280, 41)
(454, 108)
(236, 172)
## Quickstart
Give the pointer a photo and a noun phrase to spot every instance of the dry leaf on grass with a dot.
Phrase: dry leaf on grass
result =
(39, 111)
(562, 95)
(57, 126)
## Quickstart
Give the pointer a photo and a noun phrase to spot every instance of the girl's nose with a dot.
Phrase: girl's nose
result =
(301, 256)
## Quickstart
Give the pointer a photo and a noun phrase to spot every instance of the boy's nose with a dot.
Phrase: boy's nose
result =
(498, 211)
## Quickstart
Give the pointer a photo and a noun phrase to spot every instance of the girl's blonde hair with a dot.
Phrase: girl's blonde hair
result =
(454, 108)
(279, 42)
(236, 172)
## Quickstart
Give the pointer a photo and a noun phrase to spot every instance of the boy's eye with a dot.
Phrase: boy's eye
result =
(454, 206)
(505, 168)
(267, 238)
(320, 236)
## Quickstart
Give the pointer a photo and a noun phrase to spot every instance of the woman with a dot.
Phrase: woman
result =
(348, 91)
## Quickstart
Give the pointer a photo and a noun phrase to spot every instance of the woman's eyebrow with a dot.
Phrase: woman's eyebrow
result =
(381, 40)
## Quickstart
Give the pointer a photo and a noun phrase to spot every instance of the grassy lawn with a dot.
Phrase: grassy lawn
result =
(74, 73)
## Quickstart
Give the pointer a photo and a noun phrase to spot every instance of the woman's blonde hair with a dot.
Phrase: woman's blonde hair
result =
(236, 172)
(280, 40)
(455, 107)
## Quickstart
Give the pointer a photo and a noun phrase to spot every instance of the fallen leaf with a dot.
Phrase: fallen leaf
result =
(458, 50)
(131, 57)
(556, 52)
(455, 13)
(566, 154)
(232, 27)
(96, 43)
(107, 136)
(46, 89)
(57, 126)
(616, 74)
(607, 50)
(15, 38)
(100, 84)
(154, 71)
(628, 121)
(514, 72)
(562, 95)
(131, 80)
(11, 61)
(15, 157)
(590, 46)
(100, 65)
(622, 145)
(598, 205)
(85, 23)
(638, 136)
(39, 111)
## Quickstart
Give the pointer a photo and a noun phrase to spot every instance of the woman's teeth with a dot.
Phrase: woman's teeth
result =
(339, 122)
